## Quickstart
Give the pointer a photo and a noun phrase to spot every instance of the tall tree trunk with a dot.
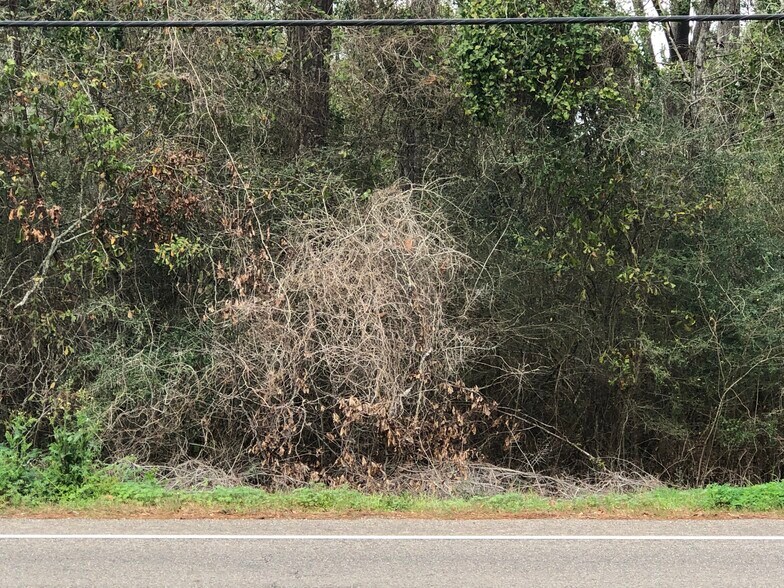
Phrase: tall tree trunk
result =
(412, 130)
(309, 49)
(670, 31)
(698, 74)
(728, 32)
(698, 50)
(18, 56)
(680, 31)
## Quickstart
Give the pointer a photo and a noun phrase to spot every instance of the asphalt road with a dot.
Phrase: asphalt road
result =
(374, 552)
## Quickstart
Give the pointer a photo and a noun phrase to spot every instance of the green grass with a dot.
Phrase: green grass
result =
(66, 476)
(126, 497)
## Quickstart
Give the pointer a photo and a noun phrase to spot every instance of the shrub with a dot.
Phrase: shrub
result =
(18, 458)
(67, 469)
(760, 497)
(343, 361)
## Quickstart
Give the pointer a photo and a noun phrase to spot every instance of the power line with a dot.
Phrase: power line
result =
(383, 22)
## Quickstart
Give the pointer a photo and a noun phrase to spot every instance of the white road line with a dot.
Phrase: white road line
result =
(528, 538)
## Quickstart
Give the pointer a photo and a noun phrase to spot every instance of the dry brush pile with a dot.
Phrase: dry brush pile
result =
(343, 365)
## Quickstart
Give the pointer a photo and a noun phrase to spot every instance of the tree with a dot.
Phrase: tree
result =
(309, 50)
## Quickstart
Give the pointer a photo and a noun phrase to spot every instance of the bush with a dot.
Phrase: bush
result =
(18, 459)
(337, 364)
(70, 462)
(67, 469)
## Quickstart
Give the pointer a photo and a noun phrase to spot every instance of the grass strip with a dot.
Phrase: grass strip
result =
(149, 498)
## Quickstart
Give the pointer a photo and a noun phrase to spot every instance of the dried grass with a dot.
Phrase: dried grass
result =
(486, 479)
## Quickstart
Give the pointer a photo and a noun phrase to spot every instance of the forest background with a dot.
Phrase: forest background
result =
(361, 256)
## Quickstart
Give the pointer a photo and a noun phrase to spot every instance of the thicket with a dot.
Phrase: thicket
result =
(367, 256)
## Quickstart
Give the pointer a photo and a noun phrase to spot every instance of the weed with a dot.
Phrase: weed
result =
(69, 466)
(762, 497)
(66, 470)
(17, 456)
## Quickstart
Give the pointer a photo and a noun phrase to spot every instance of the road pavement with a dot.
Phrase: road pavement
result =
(391, 552)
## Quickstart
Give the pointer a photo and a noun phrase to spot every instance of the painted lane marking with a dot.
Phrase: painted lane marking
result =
(526, 538)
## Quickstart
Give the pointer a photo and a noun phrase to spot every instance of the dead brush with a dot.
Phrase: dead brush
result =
(487, 479)
(346, 364)
(352, 362)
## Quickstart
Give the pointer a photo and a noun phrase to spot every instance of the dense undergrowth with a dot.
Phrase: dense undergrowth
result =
(382, 257)
(68, 475)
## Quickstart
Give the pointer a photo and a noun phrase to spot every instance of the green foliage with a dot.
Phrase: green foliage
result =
(72, 454)
(148, 492)
(763, 497)
(553, 72)
(757, 91)
(66, 470)
(117, 494)
(178, 252)
(18, 458)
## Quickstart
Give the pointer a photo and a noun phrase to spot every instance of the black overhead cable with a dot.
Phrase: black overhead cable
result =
(384, 22)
